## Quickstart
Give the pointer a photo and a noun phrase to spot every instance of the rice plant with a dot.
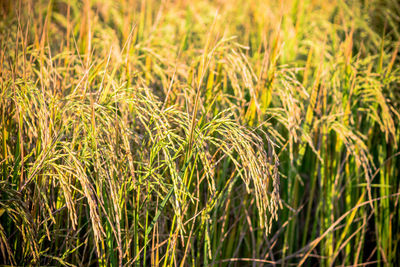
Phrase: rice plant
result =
(199, 133)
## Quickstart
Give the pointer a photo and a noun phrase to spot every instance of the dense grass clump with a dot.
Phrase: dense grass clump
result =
(199, 133)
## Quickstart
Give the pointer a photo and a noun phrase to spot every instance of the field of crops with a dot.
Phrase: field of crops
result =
(199, 133)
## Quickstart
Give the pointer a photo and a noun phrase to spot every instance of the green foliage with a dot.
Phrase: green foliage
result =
(199, 133)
